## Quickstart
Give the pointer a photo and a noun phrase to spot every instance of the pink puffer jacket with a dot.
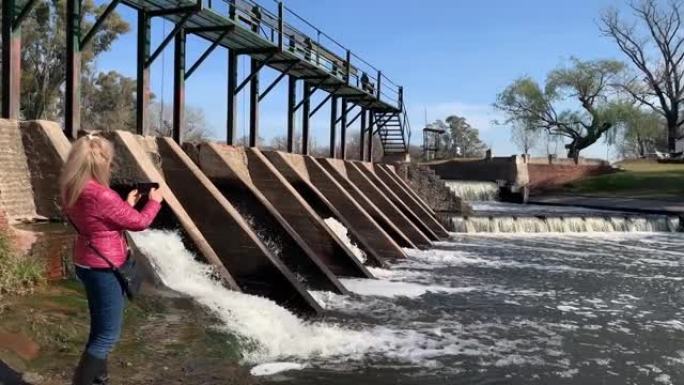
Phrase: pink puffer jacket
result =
(101, 216)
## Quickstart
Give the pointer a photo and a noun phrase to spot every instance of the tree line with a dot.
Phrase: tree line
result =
(107, 98)
(635, 105)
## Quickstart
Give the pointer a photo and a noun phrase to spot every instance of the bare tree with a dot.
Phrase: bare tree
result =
(659, 85)
(524, 137)
(160, 122)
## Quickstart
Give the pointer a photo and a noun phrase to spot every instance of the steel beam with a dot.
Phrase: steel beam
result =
(23, 13)
(11, 62)
(254, 72)
(281, 25)
(72, 94)
(143, 72)
(291, 100)
(379, 85)
(231, 123)
(259, 51)
(219, 28)
(343, 130)
(254, 103)
(207, 52)
(306, 120)
(371, 122)
(307, 99)
(180, 24)
(354, 119)
(364, 116)
(333, 126)
(175, 11)
(98, 23)
(179, 86)
(277, 80)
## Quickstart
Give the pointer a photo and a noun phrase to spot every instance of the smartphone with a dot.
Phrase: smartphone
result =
(145, 187)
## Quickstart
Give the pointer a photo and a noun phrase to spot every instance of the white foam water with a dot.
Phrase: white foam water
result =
(267, 331)
(473, 191)
(272, 368)
(343, 233)
(575, 224)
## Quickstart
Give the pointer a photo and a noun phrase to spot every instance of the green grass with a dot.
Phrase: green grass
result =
(18, 274)
(637, 179)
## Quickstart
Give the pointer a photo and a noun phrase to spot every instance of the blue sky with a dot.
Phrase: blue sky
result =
(452, 56)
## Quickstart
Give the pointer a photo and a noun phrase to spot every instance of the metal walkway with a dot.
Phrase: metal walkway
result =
(271, 36)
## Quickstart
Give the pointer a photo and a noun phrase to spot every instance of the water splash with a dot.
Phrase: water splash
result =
(269, 332)
(343, 233)
(474, 191)
(577, 224)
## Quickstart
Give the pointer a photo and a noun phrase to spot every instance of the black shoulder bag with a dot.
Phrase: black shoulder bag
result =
(128, 274)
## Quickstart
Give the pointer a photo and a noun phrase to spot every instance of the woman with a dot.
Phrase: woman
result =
(100, 217)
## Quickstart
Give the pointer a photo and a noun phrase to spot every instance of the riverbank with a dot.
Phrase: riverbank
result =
(166, 340)
(637, 179)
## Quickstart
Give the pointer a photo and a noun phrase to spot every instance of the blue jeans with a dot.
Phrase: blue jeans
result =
(106, 304)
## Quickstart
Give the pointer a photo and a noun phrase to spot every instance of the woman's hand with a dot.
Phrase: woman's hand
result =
(133, 198)
(156, 195)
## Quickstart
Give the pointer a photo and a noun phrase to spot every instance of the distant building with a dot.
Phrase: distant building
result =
(680, 145)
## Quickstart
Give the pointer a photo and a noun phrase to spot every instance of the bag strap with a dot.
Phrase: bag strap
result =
(109, 262)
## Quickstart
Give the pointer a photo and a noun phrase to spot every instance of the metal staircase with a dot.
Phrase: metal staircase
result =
(394, 131)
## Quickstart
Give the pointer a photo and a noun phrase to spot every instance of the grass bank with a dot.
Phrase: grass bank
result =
(636, 179)
(165, 340)
(18, 274)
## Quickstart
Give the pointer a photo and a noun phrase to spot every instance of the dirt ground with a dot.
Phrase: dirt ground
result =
(166, 340)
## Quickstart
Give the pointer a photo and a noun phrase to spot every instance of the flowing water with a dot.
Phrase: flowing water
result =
(473, 191)
(499, 217)
(599, 308)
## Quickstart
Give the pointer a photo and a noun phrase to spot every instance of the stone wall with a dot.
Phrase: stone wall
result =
(506, 171)
(549, 176)
(48, 149)
(16, 195)
(32, 156)
(430, 187)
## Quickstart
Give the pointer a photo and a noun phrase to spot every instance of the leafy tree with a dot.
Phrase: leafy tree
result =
(655, 46)
(43, 56)
(587, 82)
(638, 131)
(108, 102)
(460, 138)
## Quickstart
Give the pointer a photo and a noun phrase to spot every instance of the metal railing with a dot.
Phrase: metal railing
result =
(286, 29)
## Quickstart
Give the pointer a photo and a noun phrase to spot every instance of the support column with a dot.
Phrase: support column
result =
(143, 72)
(333, 126)
(254, 104)
(362, 153)
(371, 123)
(291, 102)
(11, 62)
(231, 121)
(306, 110)
(179, 86)
(343, 130)
(72, 94)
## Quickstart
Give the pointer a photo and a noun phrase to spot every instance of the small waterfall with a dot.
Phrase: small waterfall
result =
(575, 224)
(474, 191)
(265, 330)
(343, 233)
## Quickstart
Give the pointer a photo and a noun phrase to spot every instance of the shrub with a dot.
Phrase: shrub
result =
(18, 274)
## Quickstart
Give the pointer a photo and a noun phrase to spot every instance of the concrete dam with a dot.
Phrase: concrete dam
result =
(259, 218)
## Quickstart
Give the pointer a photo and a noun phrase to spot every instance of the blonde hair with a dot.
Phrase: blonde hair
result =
(90, 158)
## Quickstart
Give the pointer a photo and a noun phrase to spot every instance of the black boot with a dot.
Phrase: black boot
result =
(89, 368)
(103, 377)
